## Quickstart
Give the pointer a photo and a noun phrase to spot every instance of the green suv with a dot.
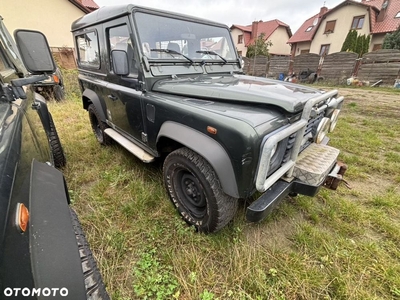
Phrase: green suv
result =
(170, 86)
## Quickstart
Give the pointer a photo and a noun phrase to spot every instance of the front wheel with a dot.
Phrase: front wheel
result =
(196, 192)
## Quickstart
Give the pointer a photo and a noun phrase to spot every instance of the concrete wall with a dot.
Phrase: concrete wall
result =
(52, 17)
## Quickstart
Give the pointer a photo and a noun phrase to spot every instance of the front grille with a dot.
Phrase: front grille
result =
(311, 128)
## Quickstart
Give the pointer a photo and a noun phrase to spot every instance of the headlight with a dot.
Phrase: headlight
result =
(322, 130)
(334, 119)
(274, 150)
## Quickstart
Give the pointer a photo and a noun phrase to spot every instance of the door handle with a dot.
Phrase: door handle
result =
(113, 98)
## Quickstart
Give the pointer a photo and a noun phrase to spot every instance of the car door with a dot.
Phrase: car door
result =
(123, 97)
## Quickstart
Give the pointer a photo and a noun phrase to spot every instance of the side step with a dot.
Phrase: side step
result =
(128, 145)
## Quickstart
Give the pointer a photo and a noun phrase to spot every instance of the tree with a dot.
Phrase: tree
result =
(349, 41)
(356, 43)
(259, 47)
(392, 40)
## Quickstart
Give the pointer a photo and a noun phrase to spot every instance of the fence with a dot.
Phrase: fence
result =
(334, 68)
(64, 57)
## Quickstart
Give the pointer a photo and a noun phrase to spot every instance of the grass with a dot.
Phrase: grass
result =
(341, 244)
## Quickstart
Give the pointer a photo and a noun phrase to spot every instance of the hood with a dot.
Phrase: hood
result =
(246, 89)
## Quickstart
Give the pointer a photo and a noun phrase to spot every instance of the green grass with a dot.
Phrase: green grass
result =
(341, 244)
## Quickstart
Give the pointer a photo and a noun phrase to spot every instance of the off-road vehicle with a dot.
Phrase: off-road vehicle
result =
(43, 251)
(166, 85)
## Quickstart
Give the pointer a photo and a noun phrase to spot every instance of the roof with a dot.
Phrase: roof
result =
(389, 24)
(268, 28)
(86, 6)
(110, 12)
(89, 4)
(302, 35)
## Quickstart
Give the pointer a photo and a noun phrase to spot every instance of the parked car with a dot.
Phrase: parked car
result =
(52, 87)
(43, 250)
(166, 85)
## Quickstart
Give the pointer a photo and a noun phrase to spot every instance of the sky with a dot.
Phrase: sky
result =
(238, 12)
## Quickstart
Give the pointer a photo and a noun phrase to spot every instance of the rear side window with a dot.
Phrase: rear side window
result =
(88, 49)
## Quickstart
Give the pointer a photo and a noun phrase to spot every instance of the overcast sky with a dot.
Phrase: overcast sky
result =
(239, 12)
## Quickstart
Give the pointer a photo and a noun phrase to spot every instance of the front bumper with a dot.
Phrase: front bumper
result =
(260, 208)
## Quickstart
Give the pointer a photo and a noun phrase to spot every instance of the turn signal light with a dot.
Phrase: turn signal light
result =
(56, 79)
(22, 217)
(211, 130)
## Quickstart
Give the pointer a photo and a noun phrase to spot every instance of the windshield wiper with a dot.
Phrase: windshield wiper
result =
(173, 52)
(212, 53)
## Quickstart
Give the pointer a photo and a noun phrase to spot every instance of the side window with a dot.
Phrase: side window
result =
(88, 49)
(119, 38)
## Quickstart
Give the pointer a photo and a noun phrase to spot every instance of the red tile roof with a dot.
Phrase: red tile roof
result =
(268, 28)
(389, 23)
(302, 35)
(85, 5)
(89, 3)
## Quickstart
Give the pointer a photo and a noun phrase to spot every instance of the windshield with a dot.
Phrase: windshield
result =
(164, 38)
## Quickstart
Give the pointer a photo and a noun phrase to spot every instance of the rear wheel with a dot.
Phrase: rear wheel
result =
(196, 192)
(98, 126)
(94, 285)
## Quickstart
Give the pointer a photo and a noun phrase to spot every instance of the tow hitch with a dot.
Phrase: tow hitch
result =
(336, 176)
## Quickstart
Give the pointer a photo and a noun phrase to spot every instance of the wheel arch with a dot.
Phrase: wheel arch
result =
(90, 97)
(208, 148)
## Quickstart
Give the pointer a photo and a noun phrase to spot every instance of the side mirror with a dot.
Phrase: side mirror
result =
(35, 51)
(120, 62)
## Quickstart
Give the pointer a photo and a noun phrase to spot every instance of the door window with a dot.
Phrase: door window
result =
(119, 38)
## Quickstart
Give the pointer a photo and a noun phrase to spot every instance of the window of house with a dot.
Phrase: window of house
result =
(330, 26)
(324, 50)
(309, 28)
(88, 49)
(304, 51)
(377, 47)
(397, 15)
(240, 39)
(358, 22)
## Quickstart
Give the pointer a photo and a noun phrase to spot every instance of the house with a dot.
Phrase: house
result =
(53, 18)
(326, 31)
(275, 31)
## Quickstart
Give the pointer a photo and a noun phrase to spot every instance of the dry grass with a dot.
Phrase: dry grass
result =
(339, 245)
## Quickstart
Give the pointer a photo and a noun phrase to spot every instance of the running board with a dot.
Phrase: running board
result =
(128, 145)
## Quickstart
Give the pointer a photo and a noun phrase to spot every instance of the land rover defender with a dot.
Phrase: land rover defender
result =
(166, 85)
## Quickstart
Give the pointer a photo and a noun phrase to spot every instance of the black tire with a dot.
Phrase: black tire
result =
(56, 148)
(98, 126)
(94, 285)
(196, 192)
(58, 92)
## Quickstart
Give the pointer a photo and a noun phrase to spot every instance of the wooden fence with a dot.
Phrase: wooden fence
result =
(334, 68)
(380, 65)
(339, 66)
(306, 61)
